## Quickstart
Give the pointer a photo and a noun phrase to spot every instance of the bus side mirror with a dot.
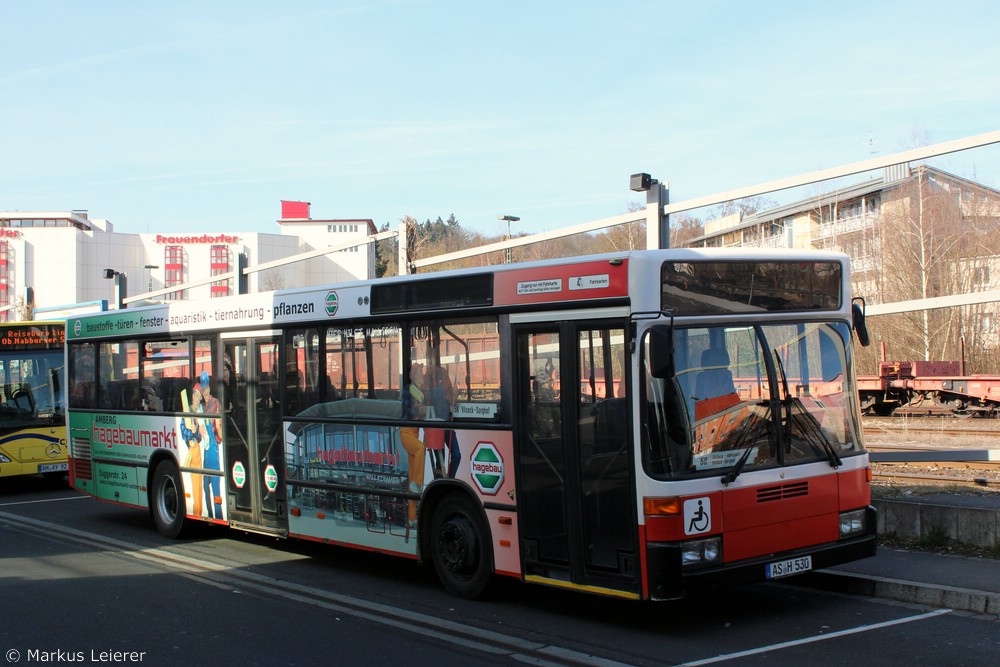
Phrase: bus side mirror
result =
(860, 328)
(661, 351)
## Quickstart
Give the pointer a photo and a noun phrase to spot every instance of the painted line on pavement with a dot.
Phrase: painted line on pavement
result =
(810, 640)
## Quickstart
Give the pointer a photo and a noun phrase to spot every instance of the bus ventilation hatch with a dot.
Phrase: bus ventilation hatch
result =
(792, 490)
(81, 459)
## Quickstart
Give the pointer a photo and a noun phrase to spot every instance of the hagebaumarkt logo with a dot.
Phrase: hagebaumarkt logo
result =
(331, 303)
(487, 468)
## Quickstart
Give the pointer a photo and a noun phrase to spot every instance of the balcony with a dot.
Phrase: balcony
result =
(854, 223)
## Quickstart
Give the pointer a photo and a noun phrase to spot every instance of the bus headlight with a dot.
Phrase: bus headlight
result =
(4, 459)
(701, 552)
(853, 523)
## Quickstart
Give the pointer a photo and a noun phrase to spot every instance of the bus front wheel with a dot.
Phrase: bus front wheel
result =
(459, 547)
(166, 501)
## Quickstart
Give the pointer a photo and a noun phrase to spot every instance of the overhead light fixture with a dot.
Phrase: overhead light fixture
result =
(641, 182)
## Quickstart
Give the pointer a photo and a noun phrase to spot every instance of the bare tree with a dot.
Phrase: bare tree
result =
(746, 206)
(629, 236)
(684, 228)
(271, 280)
(25, 311)
(932, 247)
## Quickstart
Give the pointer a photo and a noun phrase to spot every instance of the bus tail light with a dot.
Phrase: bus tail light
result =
(853, 523)
(701, 552)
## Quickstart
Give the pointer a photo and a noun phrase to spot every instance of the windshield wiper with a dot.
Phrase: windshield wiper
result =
(817, 434)
(749, 431)
(734, 472)
(786, 401)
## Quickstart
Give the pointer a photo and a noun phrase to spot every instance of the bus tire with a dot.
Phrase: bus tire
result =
(166, 499)
(460, 548)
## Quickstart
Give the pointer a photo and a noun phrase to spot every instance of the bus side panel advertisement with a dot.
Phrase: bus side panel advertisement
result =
(251, 310)
(361, 483)
(122, 445)
(119, 483)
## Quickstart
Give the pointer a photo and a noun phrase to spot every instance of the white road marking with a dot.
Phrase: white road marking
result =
(226, 576)
(809, 640)
(48, 500)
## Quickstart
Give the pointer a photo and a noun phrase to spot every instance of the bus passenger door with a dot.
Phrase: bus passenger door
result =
(253, 435)
(575, 488)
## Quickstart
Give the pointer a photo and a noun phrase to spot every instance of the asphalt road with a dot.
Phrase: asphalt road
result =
(87, 580)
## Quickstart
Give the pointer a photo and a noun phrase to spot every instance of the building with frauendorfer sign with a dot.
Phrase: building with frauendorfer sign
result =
(53, 258)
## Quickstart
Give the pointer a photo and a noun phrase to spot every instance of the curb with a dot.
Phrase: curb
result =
(932, 595)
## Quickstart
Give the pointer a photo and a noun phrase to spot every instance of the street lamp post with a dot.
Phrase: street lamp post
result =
(121, 285)
(149, 275)
(657, 196)
(508, 253)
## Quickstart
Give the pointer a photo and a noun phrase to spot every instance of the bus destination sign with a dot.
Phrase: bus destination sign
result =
(33, 337)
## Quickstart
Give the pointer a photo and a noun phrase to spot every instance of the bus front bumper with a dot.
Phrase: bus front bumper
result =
(669, 580)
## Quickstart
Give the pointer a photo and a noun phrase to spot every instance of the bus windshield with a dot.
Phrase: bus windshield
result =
(749, 397)
(30, 388)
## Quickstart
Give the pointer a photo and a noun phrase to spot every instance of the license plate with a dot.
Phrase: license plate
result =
(786, 568)
(53, 467)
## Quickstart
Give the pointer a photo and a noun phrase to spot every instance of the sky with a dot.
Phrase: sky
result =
(203, 116)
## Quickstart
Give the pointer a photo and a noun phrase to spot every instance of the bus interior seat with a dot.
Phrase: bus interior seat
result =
(131, 399)
(170, 393)
(715, 378)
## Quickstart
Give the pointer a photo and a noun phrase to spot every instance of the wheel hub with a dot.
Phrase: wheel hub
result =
(457, 545)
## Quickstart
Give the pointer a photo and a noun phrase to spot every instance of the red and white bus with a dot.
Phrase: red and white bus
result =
(641, 425)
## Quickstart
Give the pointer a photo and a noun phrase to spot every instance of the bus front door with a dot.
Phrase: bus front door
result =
(254, 444)
(575, 482)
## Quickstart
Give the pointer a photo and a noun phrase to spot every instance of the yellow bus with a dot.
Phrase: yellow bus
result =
(32, 403)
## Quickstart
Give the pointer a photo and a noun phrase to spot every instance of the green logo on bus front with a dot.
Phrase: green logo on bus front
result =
(331, 303)
(487, 468)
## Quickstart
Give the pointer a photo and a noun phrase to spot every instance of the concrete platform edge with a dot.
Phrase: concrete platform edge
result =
(932, 595)
(914, 518)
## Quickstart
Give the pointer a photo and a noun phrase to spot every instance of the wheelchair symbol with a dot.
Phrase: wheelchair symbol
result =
(697, 516)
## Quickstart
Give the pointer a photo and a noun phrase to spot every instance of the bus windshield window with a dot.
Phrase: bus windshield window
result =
(768, 395)
(30, 382)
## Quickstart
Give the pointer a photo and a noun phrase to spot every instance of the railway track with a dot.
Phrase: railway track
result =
(944, 429)
(937, 436)
(933, 479)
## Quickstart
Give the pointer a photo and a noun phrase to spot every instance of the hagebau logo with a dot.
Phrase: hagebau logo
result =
(332, 303)
(487, 468)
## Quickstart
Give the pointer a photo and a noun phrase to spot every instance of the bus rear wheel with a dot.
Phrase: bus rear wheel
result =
(166, 499)
(460, 547)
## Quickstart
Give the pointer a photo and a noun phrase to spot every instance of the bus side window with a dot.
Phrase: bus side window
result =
(82, 381)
